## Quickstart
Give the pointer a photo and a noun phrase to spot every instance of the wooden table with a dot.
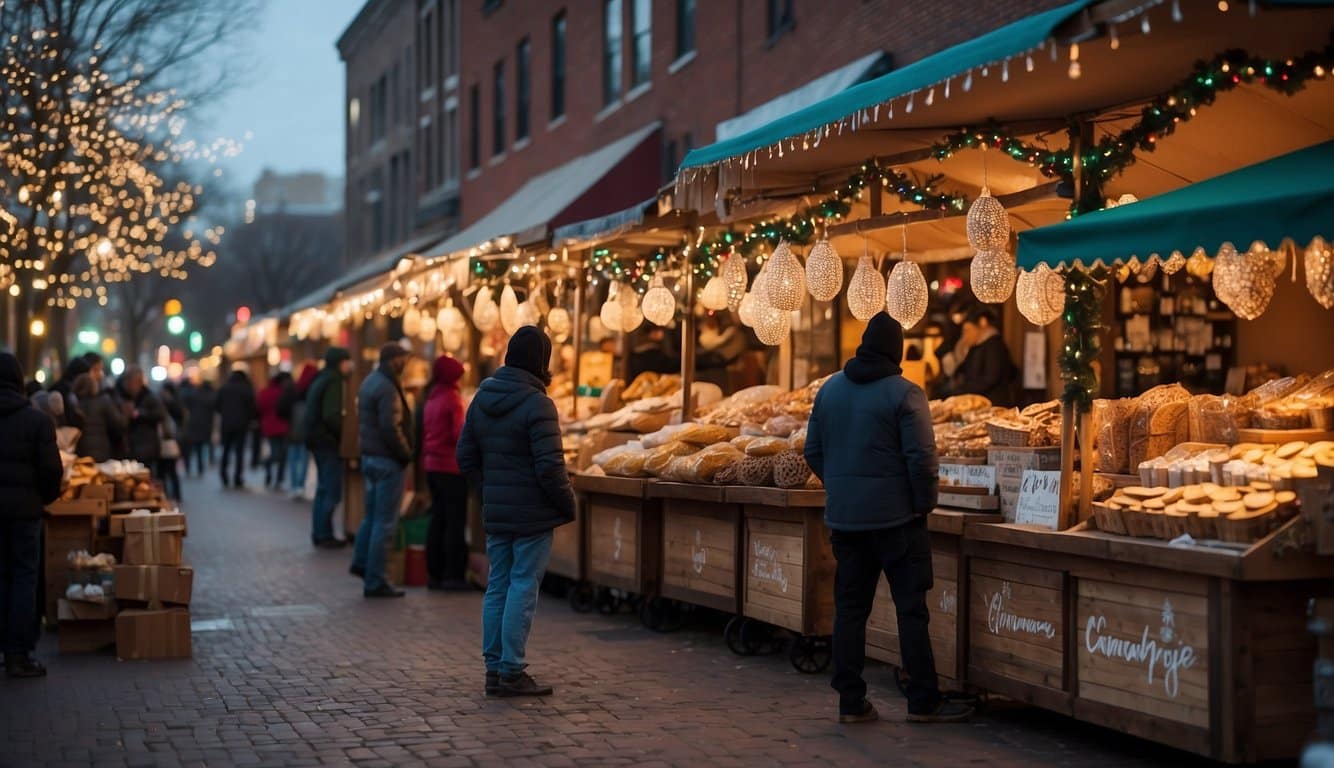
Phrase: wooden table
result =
(623, 530)
(701, 545)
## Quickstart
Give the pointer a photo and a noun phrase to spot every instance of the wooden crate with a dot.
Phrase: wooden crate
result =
(622, 534)
(63, 534)
(700, 544)
(789, 578)
(1017, 631)
(567, 545)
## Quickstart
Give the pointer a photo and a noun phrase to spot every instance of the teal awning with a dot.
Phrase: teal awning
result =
(993, 47)
(1290, 196)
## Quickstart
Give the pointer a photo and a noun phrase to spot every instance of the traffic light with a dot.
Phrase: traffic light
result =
(176, 325)
(196, 342)
(172, 307)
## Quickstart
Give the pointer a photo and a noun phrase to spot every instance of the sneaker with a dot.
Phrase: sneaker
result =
(23, 666)
(384, 590)
(492, 683)
(357, 571)
(521, 684)
(866, 715)
(945, 712)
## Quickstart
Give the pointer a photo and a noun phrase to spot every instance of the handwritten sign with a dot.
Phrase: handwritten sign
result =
(968, 475)
(1039, 500)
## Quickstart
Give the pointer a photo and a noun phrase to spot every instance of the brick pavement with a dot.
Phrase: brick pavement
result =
(306, 672)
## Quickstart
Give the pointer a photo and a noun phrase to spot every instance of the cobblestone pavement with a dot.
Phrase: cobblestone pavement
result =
(298, 669)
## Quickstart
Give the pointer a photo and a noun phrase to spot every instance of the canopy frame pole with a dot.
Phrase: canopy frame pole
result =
(578, 336)
(890, 220)
(688, 328)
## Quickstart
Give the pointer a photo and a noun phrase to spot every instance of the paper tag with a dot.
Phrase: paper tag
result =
(968, 475)
(1039, 500)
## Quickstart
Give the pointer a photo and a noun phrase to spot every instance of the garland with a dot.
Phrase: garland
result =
(1082, 343)
(638, 272)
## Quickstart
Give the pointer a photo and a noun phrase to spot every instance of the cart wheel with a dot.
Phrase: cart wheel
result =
(740, 636)
(660, 614)
(608, 602)
(810, 655)
(582, 597)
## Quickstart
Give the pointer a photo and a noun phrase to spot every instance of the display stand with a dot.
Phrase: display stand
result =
(701, 539)
(567, 547)
(623, 530)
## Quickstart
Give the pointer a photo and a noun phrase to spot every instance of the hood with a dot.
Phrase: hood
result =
(880, 353)
(504, 391)
(11, 374)
(11, 401)
(446, 372)
(308, 373)
(237, 379)
(335, 355)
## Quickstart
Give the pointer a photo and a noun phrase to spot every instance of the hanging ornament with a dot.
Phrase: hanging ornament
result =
(1243, 281)
(659, 305)
(411, 321)
(866, 291)
(538, 298)
(452, 341)
(1320, 272)
(1148, 270)
(992, 275)
(631, 315)
(329, 328)
(734, 274)
(529, 314)
(988, 223)
(558, 320)
(824, 271)
(1040, 295)
(1276, 259)
(1199, 264)
(787, 279)
(771, 324)
(509, 310)
(906, 293)
(450, 320)
(485, 313)
(746, 312)
(610, 314)
(713, 297)
(426, 327)
(1174, 263)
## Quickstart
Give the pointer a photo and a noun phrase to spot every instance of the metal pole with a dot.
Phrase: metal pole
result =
(578, 338)
(688, 346)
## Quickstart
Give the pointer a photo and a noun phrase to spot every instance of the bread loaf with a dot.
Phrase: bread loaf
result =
(1152, 434)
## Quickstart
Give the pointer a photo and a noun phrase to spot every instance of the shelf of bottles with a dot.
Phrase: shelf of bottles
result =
(1172, 329)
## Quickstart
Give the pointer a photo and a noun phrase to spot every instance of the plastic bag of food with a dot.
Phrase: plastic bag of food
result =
(627, 464)
(1112, 420)
(767, 446)
(798, 440)
(783, 426)
(730, 474)
(658, 458)
(703, 434)
(602, 457)
(791, 470)
(701, 467)
(1217, 419)
(757, 470)
(663, 436)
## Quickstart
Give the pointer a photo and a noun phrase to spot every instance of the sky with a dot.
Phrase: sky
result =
(289, 92)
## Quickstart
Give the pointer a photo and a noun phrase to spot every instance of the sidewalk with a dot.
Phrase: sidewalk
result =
(293, 667)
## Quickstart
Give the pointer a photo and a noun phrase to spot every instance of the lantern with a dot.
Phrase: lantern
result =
(631, 315)
(509, 310)
(1174, 263)
(1320, 272)
(787, 279)
(558, 320)
(485, 313)
(411, 321)
(771, 323)
(824, 271)
(866, 291)
(988, 223)
(659, 304)
(1245, 282)
(746, 312)
(1199, 264)
(529, 314)
(329, 328)
(992, 275)
(1040, 295)
(449, 320)
(426, 327)
(714, 295)
(610, 314)
(735, 276)
(906, 293)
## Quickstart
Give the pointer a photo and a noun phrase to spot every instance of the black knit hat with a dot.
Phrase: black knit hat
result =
(11, 372)
(530, 350)
(883, 338)
(391, 352)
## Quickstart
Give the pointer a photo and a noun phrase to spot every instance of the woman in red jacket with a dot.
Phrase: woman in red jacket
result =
(275, 422)
(442, 422)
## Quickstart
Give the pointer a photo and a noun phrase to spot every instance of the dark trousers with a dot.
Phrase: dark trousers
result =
(233, 447)
(446, 543)
(171, 479)
(277, 461)
(20, 549)
(903, 555)
(195, 455)
(256, 447)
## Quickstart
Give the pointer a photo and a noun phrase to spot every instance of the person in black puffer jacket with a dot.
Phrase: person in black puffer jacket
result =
(511, 448)
(236, 409)
(30, 474)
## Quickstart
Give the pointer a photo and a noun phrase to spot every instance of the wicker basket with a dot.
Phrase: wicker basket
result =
(1015, 437)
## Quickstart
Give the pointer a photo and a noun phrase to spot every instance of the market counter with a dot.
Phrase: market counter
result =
(622, 533)
(701, 540)
(1204, 649)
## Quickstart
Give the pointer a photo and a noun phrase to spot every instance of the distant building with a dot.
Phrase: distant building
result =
(305, 193)
(402, 170)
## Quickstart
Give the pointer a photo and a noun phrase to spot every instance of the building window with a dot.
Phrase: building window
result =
(558, 65)
(498, 109)
(611, 50)
(427, 171)
(451, 145)
(685, 27)
(449, 17)
(441, 161)
(376, 199)
(424, 51)
(523, 62)
(688, 141)
(379, 108)
(669, 161)
(780, 17)
(474, 127)
(491, 5)
(641, 53)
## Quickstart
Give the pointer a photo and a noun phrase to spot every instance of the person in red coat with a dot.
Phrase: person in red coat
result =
(275, 422)
(441, 425)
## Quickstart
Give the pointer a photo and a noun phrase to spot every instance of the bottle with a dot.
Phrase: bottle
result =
(1127, 302)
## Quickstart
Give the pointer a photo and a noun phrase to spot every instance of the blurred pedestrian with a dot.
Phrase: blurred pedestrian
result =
(298, 457)
(170, 440)
(97, 369)
(324, 435)
(385, 428)
(104, 420)
(870, 441)
(235, 405)
(511, 447)
(30, 475)
(441, 425)
(145, 413)
(197, 433)
(275, 420)
(70, 415)
(986, 368)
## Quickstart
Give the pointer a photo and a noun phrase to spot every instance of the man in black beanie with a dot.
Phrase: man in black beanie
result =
(511, 447)
(870, 441)
(30, 474)
(385, 428)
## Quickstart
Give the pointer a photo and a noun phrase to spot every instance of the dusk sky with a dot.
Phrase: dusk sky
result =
(289, 94)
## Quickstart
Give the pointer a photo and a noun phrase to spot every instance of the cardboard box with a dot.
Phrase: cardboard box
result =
(94, 502)
(86, 635)
(1010, 464)
(153, 634)
(154, 539)
(155, 584)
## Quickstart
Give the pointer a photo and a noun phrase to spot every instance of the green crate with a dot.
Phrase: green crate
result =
(412, 530)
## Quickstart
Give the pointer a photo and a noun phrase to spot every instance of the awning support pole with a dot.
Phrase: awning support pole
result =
(578, 336)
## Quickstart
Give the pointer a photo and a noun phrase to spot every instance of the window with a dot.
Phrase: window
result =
(475, 127)
(395, 202)
(685, 27)
(379, 108)
(558, 65)
(451, 148)
(688, 141)
(780, 17)
(641, 53)
(523, 62)
(443, 46)
(449, 18)
(396, 100)
(376, 199)
(611, 50)
(441, 163)
(424, 139)
(424, 50)
(498, 110)
(489, 6)
(669, 161)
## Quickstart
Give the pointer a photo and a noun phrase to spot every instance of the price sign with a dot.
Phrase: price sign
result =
(1039, 499)
(969, 475)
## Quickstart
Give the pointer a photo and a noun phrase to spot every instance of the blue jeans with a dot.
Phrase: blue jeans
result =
(384, 495)
(517, 565)
(297, 464)
(328, 492)
(20, 551)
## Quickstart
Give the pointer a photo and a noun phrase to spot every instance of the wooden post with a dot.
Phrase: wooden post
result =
(578, 335)
(1085, 428)
(688, 347)
(1066, 511)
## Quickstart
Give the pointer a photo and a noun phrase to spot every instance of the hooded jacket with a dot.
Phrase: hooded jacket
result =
(442, 418)
(272, 421)
(198, 401)
(384, 423)
(144, 440)
(104, 421)
(235, 405)
(511, 446)
(30, 468)
(296, 434)
(323, 418)
(870, 438)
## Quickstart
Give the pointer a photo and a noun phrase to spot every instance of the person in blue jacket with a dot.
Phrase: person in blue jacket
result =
(511, 448)
(870, 441)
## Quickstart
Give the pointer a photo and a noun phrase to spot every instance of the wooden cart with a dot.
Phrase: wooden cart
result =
(622, 537)
(567, 548)
(949, 615)
(1199, 648)
(789, 569)
(701, 539)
